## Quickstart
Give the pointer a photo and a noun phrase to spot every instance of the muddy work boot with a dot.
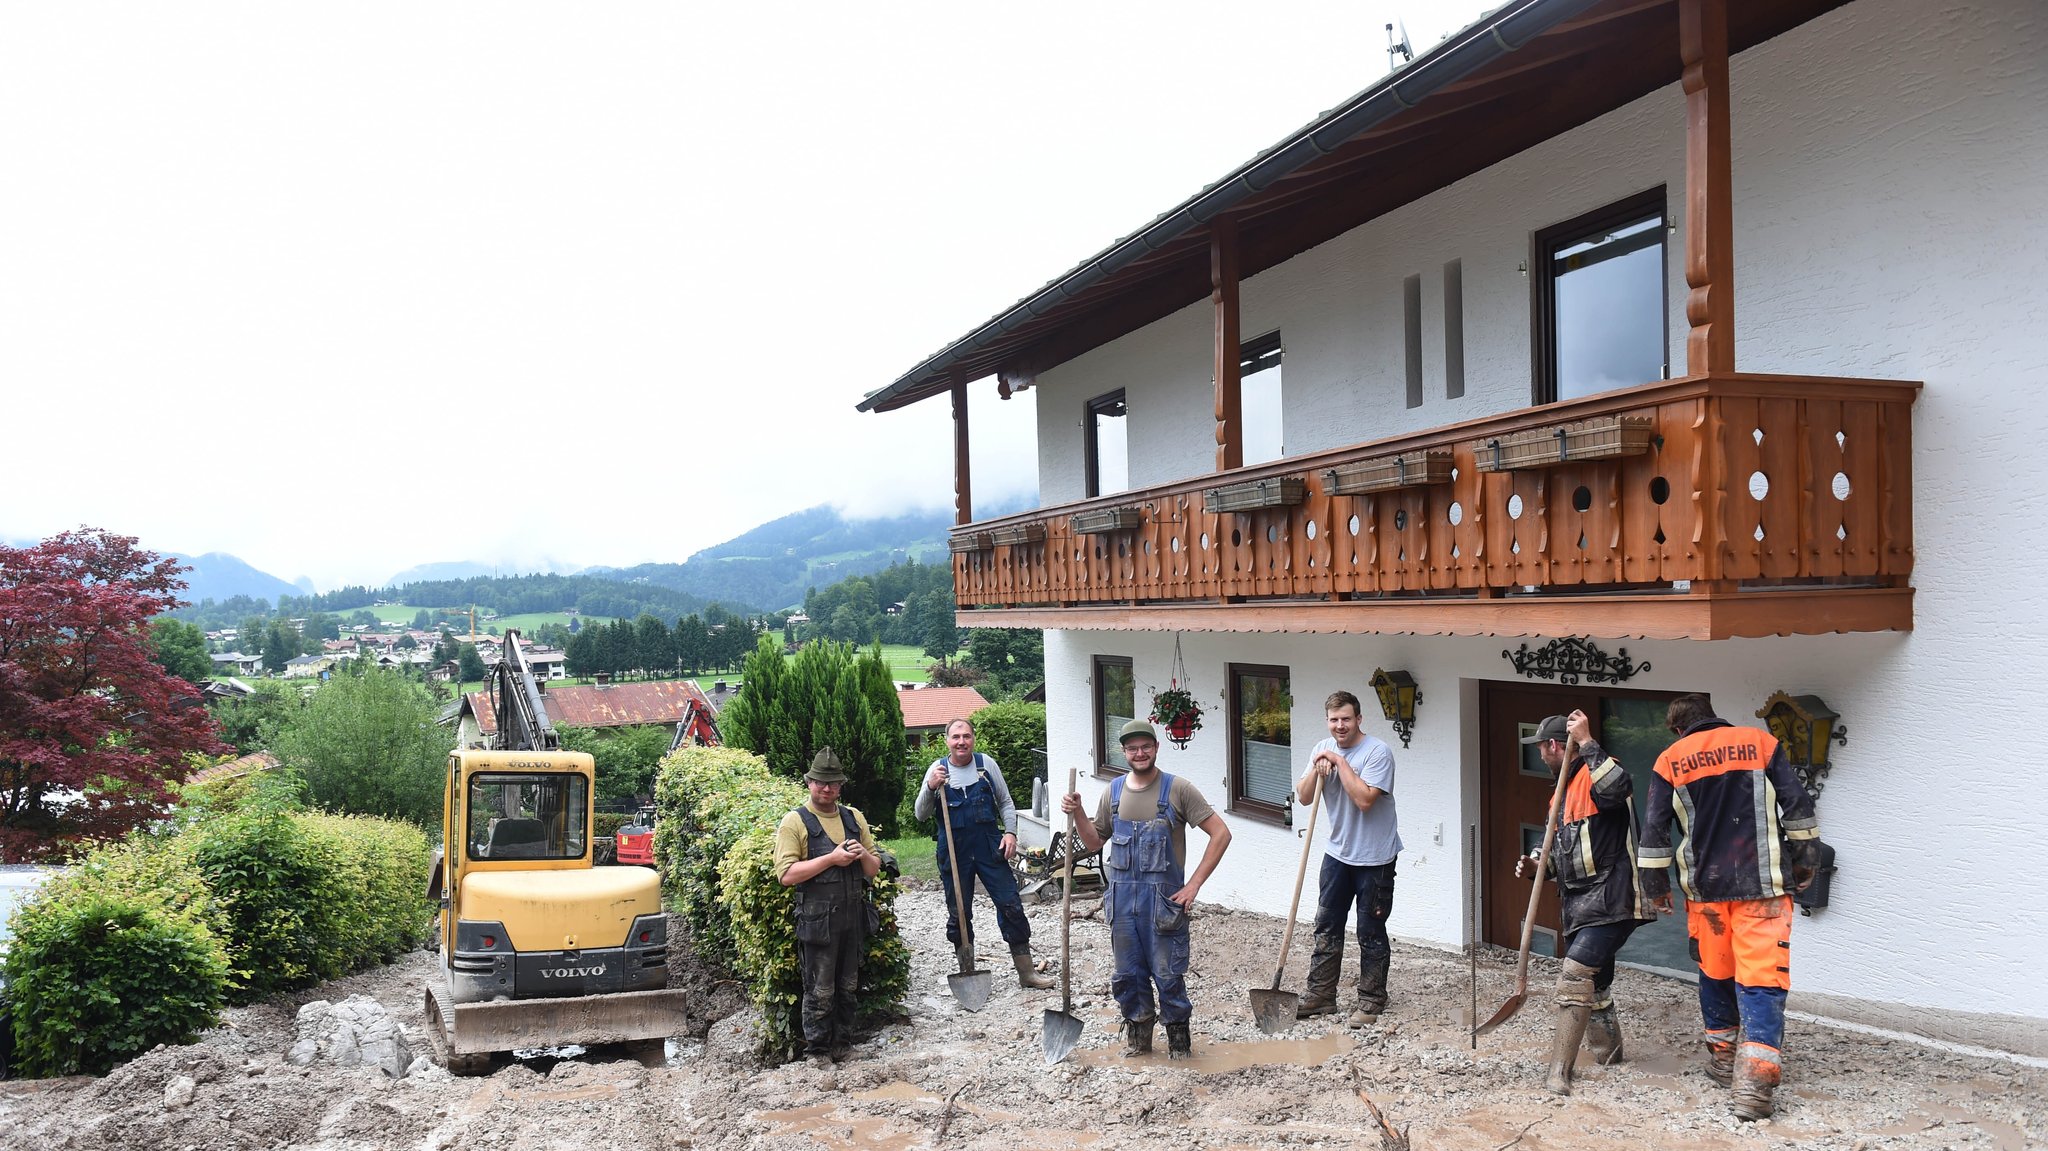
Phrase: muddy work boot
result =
(1574, 1009)
(1027, 973)
(1372, 992)
(1603, 1034)
(1756, 1080)
(1179, 1044)
(1721, 1056)
(1137, 1038)
(1324, 966)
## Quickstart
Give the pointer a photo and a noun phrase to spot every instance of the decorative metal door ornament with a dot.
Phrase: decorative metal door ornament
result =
(1569, 660)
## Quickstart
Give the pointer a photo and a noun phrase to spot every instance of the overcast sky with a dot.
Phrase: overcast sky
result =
(341, 289)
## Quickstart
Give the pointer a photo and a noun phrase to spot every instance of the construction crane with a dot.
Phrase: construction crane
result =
(470, 612)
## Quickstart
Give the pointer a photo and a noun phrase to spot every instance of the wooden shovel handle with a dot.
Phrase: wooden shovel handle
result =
(1315, 805)
(1564, 772)
(1067, 905)
(953, 865)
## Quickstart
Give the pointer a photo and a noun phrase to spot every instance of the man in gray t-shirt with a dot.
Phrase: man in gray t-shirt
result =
(1356, 773)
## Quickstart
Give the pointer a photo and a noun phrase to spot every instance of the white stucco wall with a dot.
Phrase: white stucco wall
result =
(1889, 165)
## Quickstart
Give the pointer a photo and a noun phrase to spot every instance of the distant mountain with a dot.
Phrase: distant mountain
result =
(449, 569)
(466, 569)
(219, 576)
(771, 566)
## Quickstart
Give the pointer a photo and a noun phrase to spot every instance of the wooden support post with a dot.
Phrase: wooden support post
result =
(1709, 188)
(963, 499)
(1229, 382)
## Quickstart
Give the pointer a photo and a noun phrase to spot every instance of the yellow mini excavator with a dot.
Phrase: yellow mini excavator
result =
(538, 947)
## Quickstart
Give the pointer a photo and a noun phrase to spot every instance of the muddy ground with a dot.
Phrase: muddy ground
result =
(1243, 1090)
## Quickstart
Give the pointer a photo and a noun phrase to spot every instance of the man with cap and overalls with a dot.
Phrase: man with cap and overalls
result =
(825, 850)
(984, 824)
(1144, 816)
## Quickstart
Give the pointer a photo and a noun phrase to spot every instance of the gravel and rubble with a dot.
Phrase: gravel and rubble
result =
(942, 1077)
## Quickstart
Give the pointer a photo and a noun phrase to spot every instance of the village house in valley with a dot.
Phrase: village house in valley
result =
(1611, 350)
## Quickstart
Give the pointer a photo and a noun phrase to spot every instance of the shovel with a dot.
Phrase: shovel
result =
(1514, 1003)
(1062, 1029)
(970, 987)
(1273, 1009)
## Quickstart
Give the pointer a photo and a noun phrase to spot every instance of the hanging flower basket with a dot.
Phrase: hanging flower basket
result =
(1177, 710)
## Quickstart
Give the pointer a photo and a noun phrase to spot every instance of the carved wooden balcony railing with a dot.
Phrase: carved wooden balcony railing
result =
(1743, 483)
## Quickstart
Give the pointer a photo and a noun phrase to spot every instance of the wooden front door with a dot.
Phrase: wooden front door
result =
(1514, 795)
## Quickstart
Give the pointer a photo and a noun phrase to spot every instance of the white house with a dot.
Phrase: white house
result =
(236, 663)
(1552, 379)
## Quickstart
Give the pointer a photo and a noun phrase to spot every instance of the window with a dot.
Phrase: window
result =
(1108, 451)
(1116, 704)
(1259, 398)
(1599, 300)
(1261, 742)
(527, 816)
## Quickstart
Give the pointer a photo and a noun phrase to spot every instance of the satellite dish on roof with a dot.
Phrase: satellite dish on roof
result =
(1398, 47)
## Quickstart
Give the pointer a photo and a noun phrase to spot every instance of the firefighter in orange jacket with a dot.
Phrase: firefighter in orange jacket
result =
(1747, 840)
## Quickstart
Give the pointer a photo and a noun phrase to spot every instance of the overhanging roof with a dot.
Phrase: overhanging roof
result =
(1527, 71)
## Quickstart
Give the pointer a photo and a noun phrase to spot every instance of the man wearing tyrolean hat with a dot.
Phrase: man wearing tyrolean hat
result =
(825, 850)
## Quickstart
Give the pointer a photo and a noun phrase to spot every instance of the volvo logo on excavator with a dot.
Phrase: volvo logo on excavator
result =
(571, 972)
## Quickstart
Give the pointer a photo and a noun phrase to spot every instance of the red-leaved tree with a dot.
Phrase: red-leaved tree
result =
(92, 731)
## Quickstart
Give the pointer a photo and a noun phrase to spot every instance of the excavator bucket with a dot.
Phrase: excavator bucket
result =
(517, 1024)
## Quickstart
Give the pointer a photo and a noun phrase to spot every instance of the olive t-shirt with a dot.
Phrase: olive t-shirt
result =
(1141, 805)
(792, 841)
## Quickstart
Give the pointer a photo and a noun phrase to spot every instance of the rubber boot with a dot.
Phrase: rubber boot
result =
(1756, 1079)
(1603, 1034)
(1324, 966)
(1137, 1038)
(1574, 1009)
(1179, 1044)
(1372, 992)
(1027, 975)
(1721, 1056)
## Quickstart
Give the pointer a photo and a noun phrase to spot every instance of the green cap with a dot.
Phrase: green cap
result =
(1138, 727)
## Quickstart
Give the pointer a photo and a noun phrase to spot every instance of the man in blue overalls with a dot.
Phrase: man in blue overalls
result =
(1144, 816)
(984, 821)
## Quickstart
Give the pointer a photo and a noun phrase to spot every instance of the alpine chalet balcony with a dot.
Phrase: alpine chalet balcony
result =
(1704, 507)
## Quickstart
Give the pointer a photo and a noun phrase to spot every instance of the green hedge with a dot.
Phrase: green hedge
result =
(706, 798)
(308, 897)
(118, 954)
(1010, 731)
(140, 943)
(715, 838)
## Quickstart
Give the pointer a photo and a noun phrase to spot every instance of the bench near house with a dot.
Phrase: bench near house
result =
(1610, 350)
